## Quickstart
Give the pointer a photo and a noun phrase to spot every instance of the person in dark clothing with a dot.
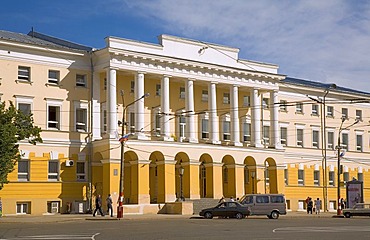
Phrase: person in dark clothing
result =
(98, 204)
(309, 206)
(109, 205)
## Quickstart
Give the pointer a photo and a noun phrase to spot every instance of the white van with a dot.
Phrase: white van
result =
(271, 205)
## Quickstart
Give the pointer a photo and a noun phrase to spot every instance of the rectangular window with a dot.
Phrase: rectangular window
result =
(330, 140)
(299, 108)
(81, 120)
(315, 110)
(182, 126)
(226, 130)
(360, 176)
(226, 98)
(359, 143)
(344, 139)
(54, 77)
(315, 139)
(23, 208)
(345, 113)
(80, 80)
(54, 117)
(330, 111)
(132, 86)
(301, 177)
(158, 89)
(105, 121)
(300, 137)
(246, 101)
(24, 73)
(157, 123)
(182, 93)
(359, 115)
(81, 171)
(205, 132)
(266, 135)
(345, 178)
(105, 84)
(53, 173)
(283, 136)
(23, 170)
(25, 108)
(132, 122)
(286, 177)
(283, 106)
(204, 95)
(267, 176)
(331, 178)
(316, 178)
(265, 103)
(246, 132)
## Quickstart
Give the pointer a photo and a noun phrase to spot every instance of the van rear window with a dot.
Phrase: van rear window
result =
(277, 199)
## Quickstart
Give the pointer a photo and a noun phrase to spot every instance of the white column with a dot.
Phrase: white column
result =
(214, 136)
(274, 121)
(139, 106)
(96, 125)
(112, 102)
(256, 118)
(234, 113)
(189, 105)
(165, 108)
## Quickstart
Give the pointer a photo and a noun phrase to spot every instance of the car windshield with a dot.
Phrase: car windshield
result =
(246, 199)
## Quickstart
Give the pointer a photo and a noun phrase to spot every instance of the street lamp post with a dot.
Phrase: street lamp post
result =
(122, 140)
(339, 208)
(181, 173)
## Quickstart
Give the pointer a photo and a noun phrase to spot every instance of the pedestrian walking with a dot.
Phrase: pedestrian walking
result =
(317, 205)
(309, 206)
(98, 205)
(110, 205)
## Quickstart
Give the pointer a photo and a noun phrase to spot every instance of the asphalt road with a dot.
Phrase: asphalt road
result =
(260, 228)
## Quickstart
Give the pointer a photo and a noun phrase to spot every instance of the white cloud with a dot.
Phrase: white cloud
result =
(317, 40)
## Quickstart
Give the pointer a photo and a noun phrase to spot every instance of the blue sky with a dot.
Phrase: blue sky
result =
(319, 40)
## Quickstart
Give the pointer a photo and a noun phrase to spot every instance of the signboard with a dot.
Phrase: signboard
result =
(354, 193)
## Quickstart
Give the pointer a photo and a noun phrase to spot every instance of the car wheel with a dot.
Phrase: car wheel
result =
(274, 215)
(208, 215)
(347, 215)
(239, 215)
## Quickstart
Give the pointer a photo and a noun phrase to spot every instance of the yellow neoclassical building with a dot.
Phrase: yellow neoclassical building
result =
(233, 126)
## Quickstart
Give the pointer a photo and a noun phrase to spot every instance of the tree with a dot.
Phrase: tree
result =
(15, 126)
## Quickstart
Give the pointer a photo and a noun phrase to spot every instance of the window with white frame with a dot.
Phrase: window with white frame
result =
(158, 89)
(53, 173)
(246, 101)
(316, 178)
(205, 130)
(132, 86)
(246, 132)
(299, 107)
(331, 178)
(301, 177)
(23, 207)
(157, 121)
(226, 127)
(204, 95)
(24, 73)
(283, 106)
(23, 170)
(182, 93)
(81, 116)
(299, 137)
(330, 140)
(182, 126)
(359, 142)
(315, 139)
(345, 113)
(104, 118)
(226, 98)
(283, 136)
(24, 104)
(315, 110)
(54, 114)
(53, 77)
(330, 111)
(81, 80)
(266, 135)
(265, 103)
(344, 141)
(81, 171)
(359, 115)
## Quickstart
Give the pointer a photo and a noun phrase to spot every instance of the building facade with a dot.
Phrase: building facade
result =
(234, 126)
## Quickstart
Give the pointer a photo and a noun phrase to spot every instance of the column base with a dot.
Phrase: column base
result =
(216, 142)
(257, 145)
(191, 140)
(167, 139)
(237, 144)
(277, 146)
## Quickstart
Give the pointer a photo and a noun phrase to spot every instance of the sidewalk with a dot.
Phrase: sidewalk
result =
(89, 217)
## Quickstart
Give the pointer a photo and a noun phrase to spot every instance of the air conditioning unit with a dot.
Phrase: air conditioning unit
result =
(69, 163)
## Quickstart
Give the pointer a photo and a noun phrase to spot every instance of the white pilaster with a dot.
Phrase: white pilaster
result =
(96, 125)
(139, 106)
(214, 136)
(274, 121)
(189, 105)
(256, 118)
(165, 108)
(112, 102)
(234, 113)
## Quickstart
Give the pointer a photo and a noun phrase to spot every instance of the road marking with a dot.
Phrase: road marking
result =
(323, 229)
(57, 237)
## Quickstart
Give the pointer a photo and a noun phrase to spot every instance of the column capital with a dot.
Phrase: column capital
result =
(141, 72)
(191, 79)
(166, 76)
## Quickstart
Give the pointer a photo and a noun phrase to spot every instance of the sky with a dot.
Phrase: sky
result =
(319, 40)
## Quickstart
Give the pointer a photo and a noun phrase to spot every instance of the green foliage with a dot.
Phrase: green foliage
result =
(14, 127)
